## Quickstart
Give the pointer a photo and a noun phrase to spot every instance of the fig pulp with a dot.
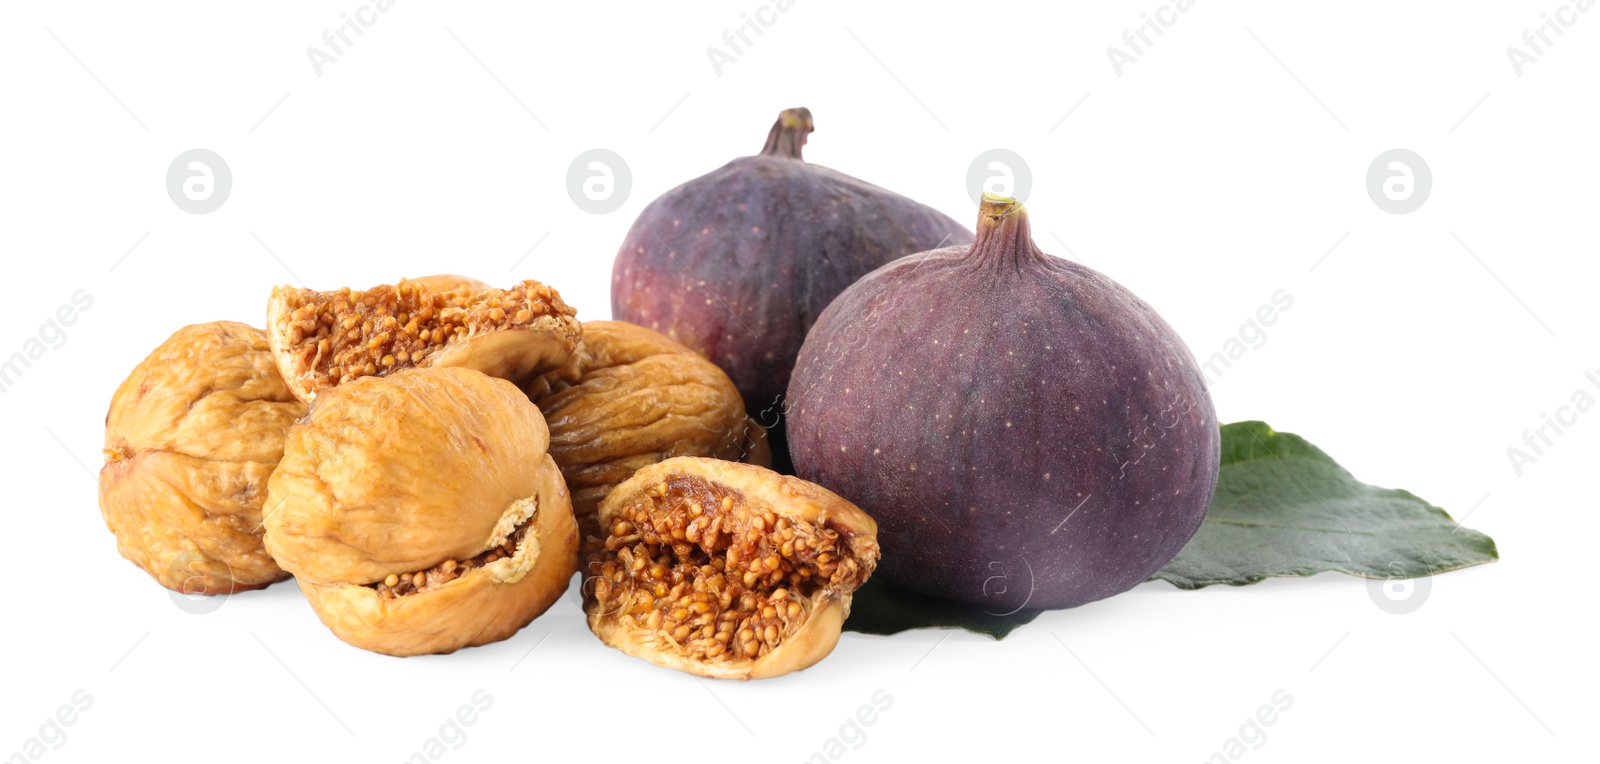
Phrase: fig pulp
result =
(322, 339)
(725, 570)
(737, 264)
(1026, 431)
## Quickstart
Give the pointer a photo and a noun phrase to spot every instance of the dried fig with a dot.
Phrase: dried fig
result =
(738, 262)
(725, 570)
(321, 339)
(191, 437)
(444, 283)
(1062, 450)
(420, 512)
(630, 397)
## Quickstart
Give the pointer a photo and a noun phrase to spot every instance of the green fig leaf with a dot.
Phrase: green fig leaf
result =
(1283, 507)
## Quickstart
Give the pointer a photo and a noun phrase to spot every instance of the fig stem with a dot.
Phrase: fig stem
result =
(789, 133)
(1003, 236)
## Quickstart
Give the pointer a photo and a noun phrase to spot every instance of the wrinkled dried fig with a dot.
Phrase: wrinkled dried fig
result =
(420, 512)
(630, 397)
(725, 570)
(191, 437)
(321, 339)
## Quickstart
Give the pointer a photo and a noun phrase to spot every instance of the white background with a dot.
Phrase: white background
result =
(1204, 178)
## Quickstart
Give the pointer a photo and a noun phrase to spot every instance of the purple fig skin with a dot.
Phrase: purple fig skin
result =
(738, 263)
(1026, 431)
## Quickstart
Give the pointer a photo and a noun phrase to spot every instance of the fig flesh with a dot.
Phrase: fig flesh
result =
(321, 339)
(1026, 431)
(738, 263)
(725, 570)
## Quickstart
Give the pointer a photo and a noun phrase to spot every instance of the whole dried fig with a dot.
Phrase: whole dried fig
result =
(191, 437)
(1063, 451)
(725, 570)
(630, 397)
(321, 339)
(738, 262)
(420, 512)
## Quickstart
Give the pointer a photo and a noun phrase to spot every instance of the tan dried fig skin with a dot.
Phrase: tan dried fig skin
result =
(639, 614)
(393, 475)
(441, 283)
(484, 605)
(389, 476)
(630, 397)
(191, 437)
(321, 339)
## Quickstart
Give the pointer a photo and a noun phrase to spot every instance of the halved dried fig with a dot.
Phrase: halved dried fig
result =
(442, 283)
(631, 397)
(725, 570)
(321, 339)
(191, 437)
(420, 512)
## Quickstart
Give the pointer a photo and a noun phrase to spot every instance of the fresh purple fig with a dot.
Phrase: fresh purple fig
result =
(1026, 432)
(738, 263)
